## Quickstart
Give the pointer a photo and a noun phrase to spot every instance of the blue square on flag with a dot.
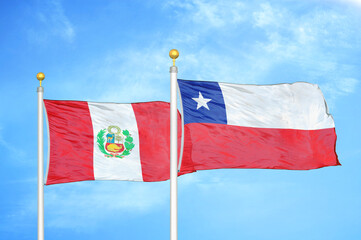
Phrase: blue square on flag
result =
(202, 102)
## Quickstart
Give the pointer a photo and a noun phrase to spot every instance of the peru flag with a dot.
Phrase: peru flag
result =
(109, 141)
(283, 126)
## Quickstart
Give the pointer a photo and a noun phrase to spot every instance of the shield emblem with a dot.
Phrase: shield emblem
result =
(116, 143)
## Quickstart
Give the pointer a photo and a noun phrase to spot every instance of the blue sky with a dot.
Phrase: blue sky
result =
(118, 51)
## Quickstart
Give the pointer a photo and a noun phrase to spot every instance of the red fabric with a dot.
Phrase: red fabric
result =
(153, 120)
(214, 146)
(71, 142)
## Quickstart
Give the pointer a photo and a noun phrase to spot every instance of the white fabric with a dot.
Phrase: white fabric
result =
(104, 115)
(287, 106)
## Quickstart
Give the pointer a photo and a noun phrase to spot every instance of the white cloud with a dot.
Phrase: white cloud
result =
(338, 87)
(267, 16)
(84, 205)
(352, 2)
(312, 42)
(13, 150)
(211, 13)
(348, 85)
(95, 201)
(229, 42)
(53, 22)
(133, 75)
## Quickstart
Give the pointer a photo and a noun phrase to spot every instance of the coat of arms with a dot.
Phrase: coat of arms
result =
(115, 143)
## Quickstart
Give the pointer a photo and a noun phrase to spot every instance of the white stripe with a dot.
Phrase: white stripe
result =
(128, 168)
(288, 106)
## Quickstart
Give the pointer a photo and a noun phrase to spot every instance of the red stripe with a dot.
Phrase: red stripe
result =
(71, 142)
(153, 120)
(213, 146)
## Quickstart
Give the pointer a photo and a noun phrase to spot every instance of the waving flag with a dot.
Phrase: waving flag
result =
(283, 126)
(109, 141)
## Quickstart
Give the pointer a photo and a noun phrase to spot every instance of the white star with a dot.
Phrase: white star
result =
(201, 102)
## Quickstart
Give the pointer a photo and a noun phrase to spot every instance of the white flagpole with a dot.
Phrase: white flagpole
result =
(173, 148)
(40, 76)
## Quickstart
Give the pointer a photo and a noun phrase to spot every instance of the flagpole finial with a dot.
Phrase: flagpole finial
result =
(40, 76)
(173, 54)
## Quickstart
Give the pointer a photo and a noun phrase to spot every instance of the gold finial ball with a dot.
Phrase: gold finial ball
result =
(40, 76)
(173, 53)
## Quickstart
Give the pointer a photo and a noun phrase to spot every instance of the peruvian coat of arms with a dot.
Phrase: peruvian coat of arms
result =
(114, 142)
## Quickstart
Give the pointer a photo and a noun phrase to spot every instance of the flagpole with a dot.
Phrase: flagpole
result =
(173, 147)
(40, 76)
